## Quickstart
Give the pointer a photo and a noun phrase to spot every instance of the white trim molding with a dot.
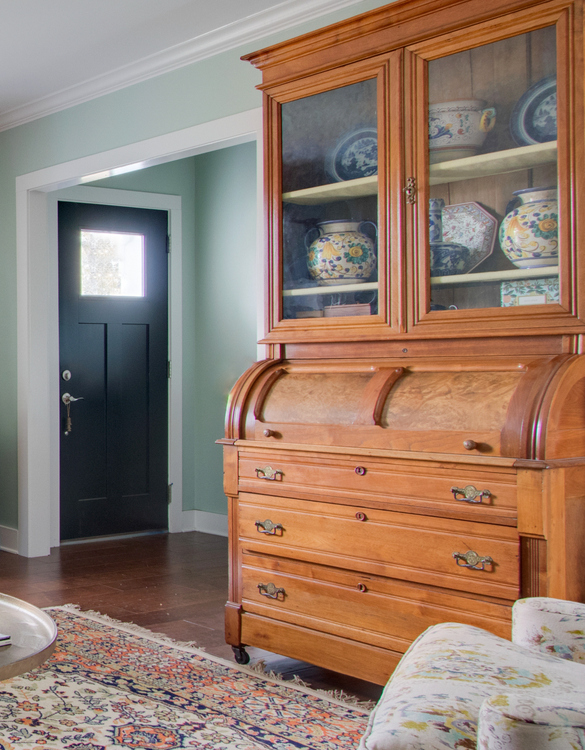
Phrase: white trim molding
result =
(207, 523)
(9, 539)
(37, 307)
(246, 30)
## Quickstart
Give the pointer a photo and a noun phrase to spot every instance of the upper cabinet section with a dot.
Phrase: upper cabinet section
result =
(330, 203)
(422, 173)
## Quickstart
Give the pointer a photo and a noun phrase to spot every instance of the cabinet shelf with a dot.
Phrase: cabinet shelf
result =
(482, 278)
(335, 191)
(484, 165)
(495, 162)
(336, 289)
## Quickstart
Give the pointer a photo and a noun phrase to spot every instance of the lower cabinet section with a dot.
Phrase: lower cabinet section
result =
(350, 587)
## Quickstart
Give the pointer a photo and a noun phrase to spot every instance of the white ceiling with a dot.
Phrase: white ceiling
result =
(56, 53)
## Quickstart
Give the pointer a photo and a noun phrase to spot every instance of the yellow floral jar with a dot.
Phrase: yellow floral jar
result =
(341, 254)
(529, 235)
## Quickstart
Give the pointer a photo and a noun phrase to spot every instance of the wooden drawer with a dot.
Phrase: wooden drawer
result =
(397, 545)
(382, 612)
(410, 485)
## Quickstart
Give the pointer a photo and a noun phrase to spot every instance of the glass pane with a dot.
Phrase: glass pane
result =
(493, 214)
(330, 203)
(112, 264)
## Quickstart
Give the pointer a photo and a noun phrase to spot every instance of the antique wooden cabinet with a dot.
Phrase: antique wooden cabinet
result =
(413, 448)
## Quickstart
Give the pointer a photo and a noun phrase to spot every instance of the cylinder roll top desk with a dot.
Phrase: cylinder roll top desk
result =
(412, 449)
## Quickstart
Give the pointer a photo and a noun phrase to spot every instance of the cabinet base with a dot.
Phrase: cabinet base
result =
(328, 651)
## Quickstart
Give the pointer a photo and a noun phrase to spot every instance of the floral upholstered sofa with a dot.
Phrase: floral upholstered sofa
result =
(461, 687)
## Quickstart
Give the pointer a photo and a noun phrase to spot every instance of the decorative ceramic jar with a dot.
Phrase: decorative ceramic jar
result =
(458, 129)
(529, 233)
(447, 258)
(342, 253)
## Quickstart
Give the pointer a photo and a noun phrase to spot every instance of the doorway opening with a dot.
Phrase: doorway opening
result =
(37, 329)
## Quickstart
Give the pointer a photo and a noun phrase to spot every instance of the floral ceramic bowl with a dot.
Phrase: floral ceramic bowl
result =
(458, 129)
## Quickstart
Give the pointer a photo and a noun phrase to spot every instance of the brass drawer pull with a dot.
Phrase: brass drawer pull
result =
(472, 560)
(269, 473)
(362, 587)
(470, 494)
(360, 470)
(270, 590)
(268, 527)
(361, 516)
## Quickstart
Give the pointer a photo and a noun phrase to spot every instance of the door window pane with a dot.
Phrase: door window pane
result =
(112, 264)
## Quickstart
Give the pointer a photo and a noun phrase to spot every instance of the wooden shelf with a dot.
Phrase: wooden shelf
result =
(335, 191)
(496, 162)
(334, 289)
(482, 278)
(484, 165)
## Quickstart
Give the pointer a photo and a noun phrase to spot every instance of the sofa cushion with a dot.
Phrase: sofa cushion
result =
(432, 700)
(525, 723)
(553, 626)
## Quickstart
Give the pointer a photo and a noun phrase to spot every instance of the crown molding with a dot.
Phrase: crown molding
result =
(271, 21)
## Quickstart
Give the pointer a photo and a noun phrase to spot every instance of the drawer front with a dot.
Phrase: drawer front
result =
(458, 490)
(369, 609)
(453, 554)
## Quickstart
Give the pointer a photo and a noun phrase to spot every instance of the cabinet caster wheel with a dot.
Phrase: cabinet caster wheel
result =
(241, 655)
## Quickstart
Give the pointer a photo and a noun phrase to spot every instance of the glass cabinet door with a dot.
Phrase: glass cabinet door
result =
(492, 154)
(329, 256)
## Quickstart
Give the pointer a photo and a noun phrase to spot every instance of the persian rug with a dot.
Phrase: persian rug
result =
(114, 685)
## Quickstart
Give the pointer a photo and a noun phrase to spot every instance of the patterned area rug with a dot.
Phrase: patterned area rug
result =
(111, 685)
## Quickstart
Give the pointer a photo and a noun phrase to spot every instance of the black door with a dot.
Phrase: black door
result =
(113, 301)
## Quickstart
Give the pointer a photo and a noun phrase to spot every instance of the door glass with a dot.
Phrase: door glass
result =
(493, 214)
(112, 264)
(330, 203)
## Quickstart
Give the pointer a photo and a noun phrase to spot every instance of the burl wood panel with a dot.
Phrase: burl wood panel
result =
(450, 401)
(316, 398)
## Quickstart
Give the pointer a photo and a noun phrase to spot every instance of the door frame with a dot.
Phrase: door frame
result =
(37, 313)
(172, 205)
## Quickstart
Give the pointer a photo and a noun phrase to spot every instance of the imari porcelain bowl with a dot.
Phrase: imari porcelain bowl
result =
(341, 254)
(458, 129)
(529, 233)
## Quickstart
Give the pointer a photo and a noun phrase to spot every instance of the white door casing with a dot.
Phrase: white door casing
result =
(37, 309)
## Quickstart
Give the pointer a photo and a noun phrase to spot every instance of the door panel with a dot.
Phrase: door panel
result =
(114, 342)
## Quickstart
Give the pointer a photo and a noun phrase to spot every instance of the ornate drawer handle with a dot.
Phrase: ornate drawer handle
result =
(470, 494)
(360, 470)
(270, 590)
(269, 473)
(362, 588)
(268, 527)
(361, 516)
(472, 560)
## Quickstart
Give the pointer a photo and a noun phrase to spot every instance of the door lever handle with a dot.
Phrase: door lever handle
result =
(67, 398)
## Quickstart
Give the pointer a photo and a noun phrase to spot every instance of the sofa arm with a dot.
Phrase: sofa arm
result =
(526, 722)
(552, 626)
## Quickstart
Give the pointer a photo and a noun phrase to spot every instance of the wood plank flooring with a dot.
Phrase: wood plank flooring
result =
(169, 583)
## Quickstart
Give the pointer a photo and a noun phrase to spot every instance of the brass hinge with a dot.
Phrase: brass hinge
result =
(169, 493)
(169, 369)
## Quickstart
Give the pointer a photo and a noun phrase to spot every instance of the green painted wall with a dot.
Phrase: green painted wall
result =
(219, 298)
(200, 92)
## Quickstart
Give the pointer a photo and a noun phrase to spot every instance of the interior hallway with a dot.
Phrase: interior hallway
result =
(169, 583)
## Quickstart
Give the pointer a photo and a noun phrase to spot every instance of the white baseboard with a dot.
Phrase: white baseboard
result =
(208, 523)
(9, 539)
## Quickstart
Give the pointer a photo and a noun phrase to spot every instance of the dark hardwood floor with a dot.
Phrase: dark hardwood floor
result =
(169, 583)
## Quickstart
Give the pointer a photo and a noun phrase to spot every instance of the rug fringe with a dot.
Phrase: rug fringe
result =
(257, 669)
